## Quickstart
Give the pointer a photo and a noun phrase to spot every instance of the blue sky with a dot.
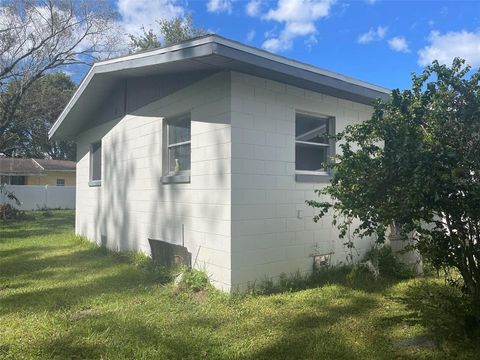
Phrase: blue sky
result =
(380, 41)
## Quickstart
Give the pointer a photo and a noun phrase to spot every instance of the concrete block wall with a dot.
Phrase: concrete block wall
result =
(133, 205)
(243, 213)
(272, 227)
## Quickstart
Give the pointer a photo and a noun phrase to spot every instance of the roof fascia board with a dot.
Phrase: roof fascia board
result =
(339, 83)
(214, 44)
(134, 61)
(294, 63)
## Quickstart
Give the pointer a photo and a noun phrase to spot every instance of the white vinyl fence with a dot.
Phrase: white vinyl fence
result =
(34, 197)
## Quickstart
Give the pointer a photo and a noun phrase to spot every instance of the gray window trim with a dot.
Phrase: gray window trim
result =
(94, 183)
(313, 178)
(182, 177)
(176, 179)
(321, 176)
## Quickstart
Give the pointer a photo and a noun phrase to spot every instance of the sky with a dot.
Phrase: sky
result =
(378, 41)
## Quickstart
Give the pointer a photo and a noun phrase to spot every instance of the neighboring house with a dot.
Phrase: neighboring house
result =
(214, 145)
(16, 171)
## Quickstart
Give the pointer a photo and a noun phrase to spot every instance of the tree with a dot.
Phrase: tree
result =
(415, 167)
(39, 109)
(40, 36)
(171, 31)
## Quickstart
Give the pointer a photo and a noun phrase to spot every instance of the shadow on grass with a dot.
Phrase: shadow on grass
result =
(126, 338)
(37, 224)
(64, 280)
(443, 310)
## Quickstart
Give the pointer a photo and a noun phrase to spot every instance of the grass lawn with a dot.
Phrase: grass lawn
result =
(62, 298)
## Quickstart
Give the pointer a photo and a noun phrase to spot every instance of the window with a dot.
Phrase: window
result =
(177, 148)
(18, 180)
(60, 182)
(96, 164)
(312, 145)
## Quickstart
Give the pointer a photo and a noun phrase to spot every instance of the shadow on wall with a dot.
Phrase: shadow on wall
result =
(111, 214)
(119, 174)
(188, 204)
(133, 205)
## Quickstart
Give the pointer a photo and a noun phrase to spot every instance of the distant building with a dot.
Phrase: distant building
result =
(15, 171)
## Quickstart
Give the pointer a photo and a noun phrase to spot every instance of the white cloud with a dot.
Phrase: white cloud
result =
(219, 6)
(373, 35)
(298, 17)
(253, 8)
(445, 47)
(311, 42)
(250, 35)
(399, 43)
(137, 13)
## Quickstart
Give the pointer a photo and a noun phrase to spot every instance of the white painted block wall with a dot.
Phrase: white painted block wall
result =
(268, 236)
(132, 205)
(240, 209)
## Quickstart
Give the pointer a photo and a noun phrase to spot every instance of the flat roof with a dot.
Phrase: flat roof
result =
(206, 53)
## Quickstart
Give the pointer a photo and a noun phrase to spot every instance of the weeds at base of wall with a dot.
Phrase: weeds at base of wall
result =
(378, 265)
(187, 279)
(190, 279)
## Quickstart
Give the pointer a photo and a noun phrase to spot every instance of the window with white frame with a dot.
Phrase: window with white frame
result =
(312, 144)
(96, 163)
(60, 182)
(177, 145)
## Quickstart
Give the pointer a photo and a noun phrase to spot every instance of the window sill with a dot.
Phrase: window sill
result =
(95, 183)
(313, 177)
(175, 179)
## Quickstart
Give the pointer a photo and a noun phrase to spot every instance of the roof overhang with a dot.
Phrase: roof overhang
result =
(207, 53)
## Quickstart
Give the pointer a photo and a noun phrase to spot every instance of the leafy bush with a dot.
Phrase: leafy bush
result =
(387, 264)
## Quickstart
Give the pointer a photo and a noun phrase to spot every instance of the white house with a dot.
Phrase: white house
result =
(213, 145)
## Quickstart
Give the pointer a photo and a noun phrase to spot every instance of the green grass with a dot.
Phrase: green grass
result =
(63, 298)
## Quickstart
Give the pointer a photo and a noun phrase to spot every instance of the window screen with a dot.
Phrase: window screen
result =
(312, 145)
(178, 144)
(96, 161)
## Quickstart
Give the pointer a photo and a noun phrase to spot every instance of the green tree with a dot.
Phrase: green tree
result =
(38, 110)
(41, 36)
(414, 168)
(171, 31)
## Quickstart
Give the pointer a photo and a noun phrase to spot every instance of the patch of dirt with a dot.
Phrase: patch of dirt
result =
(80, 314)
(418, 341)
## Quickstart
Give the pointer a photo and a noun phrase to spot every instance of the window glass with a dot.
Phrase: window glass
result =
(312, 145)
(178, 145)
(311, 129)
(179, 130)
(60, 182)
(18, 180)
(96, 159)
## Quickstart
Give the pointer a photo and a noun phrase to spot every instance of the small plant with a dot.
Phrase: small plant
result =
(193, 279)
(8, 211)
